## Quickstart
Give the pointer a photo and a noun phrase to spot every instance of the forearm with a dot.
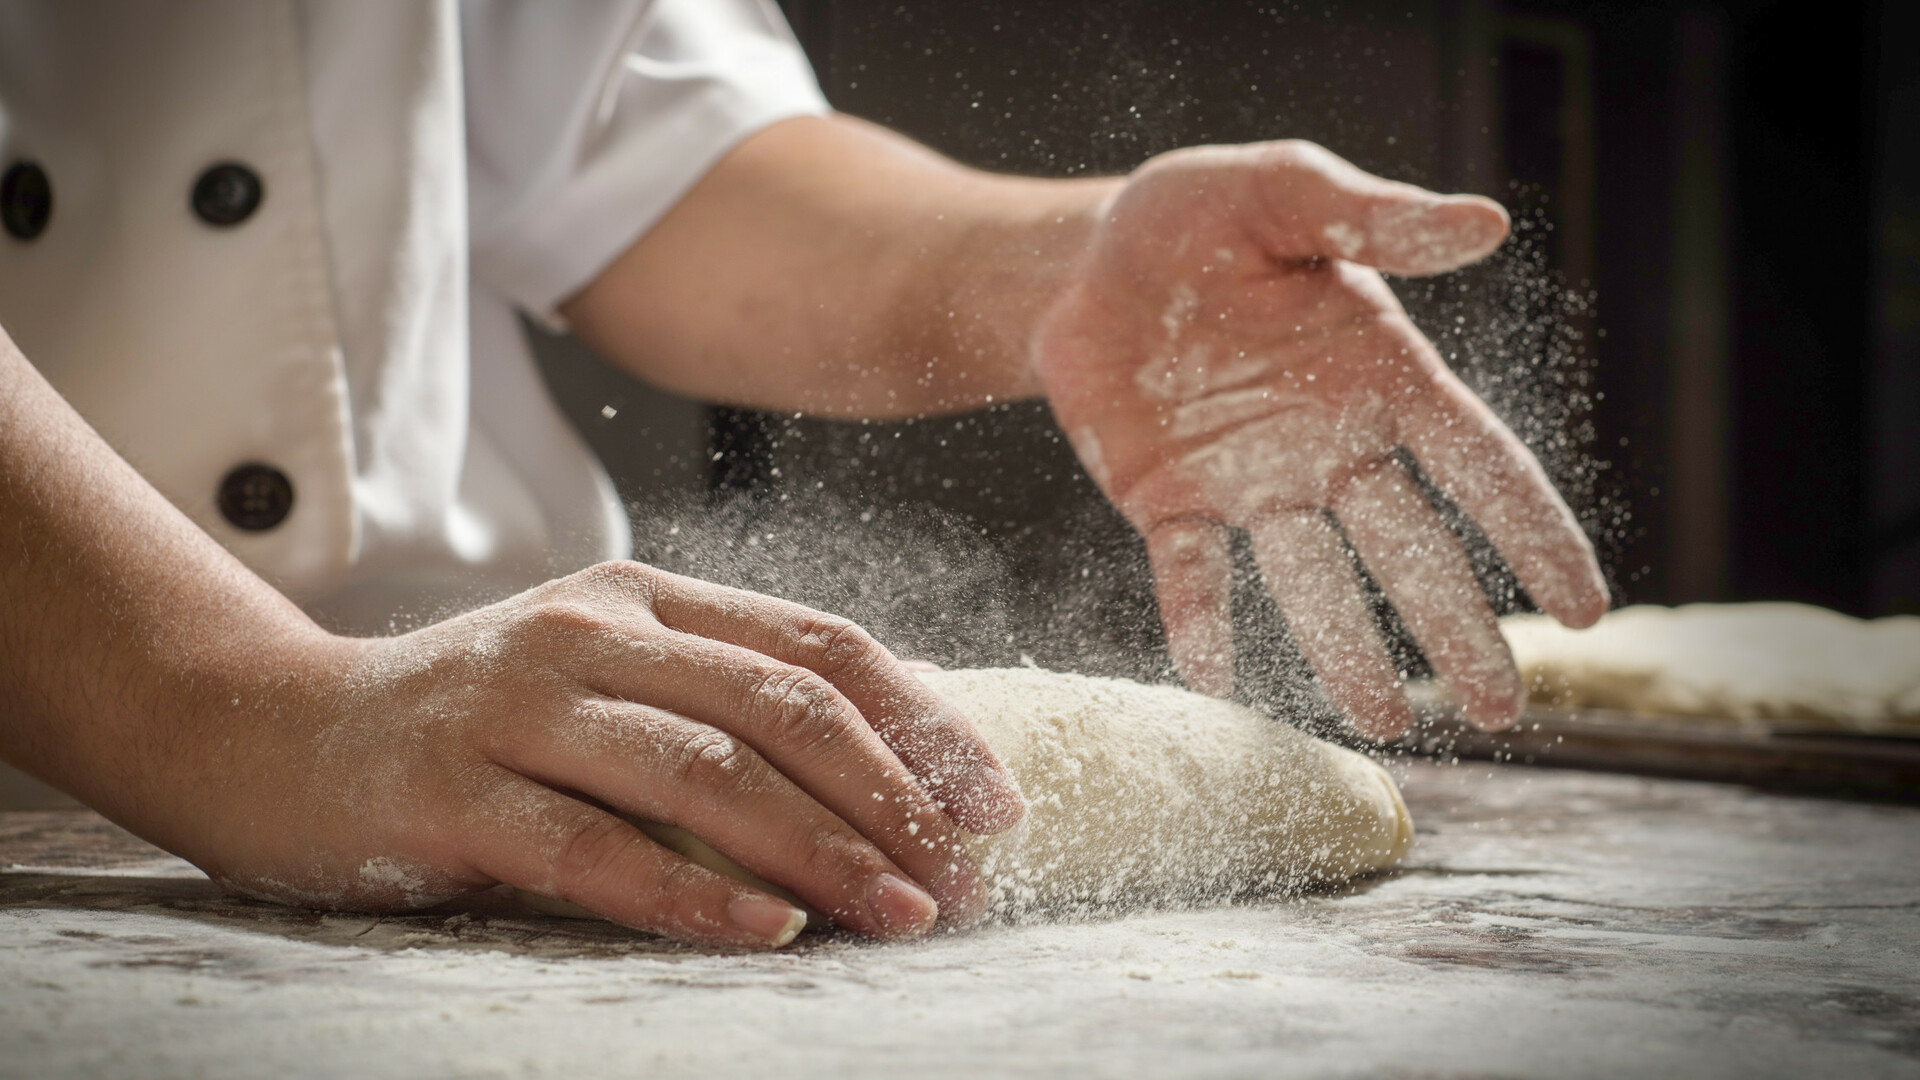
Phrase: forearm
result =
(146, 671)
(831, 266)
(124, 629)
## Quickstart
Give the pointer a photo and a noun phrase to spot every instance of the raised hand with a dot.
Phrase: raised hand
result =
(1226, 354)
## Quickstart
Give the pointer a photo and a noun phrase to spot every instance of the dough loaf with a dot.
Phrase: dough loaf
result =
(1792, 663)
(1140, 795)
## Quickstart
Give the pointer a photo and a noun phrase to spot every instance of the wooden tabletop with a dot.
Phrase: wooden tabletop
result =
(1547, 923)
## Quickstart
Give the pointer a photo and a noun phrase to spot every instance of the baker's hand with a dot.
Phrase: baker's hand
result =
(497, 747)
(1227, 355)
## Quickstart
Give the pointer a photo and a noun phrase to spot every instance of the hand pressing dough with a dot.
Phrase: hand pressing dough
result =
(1784, 662)
(1141, 795)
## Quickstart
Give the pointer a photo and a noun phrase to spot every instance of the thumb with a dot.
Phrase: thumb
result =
(1321, 205)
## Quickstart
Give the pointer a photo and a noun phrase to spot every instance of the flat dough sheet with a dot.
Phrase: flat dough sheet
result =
(1803, 665)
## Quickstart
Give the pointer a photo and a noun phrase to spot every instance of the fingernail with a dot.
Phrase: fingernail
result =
(900, 907)
(765, 917)
(986, 799)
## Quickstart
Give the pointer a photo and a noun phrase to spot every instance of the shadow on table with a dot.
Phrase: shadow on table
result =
(489, 921)
(482, 922)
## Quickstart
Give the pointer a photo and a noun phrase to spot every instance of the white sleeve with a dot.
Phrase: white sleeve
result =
(587, 121)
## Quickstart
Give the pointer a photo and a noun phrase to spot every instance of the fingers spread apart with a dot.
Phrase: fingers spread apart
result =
(1307, 570)
(1422, 569)
(1494, 478)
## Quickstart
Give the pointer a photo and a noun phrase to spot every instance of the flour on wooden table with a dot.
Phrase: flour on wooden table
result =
(1793, 663)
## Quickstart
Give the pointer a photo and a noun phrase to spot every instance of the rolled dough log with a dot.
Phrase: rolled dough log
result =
(1140, 795)
(1774, 661)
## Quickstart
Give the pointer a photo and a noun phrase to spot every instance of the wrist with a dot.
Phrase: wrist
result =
(242, 738)
(1054, 249)
(178, 741)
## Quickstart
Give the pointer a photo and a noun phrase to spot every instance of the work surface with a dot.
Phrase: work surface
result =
(1547, 923)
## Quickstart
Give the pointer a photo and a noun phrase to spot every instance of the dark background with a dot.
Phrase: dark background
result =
(1708, 323)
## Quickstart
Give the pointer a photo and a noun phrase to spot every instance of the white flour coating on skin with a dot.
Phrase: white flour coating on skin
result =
(387, 876)
(1195, 559)
(1346, 240)
(1291, 459)
(1194, 542)
(1412, 237)
(1428, 577)
(1223, 410)
(1458, 462)
(822, 710)
(276, 891)
(1087, 441)
(1190, 374)
(1304, 566)
(408, 692)
(1179, 310)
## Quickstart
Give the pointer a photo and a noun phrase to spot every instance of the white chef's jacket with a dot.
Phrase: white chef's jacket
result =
(339, 318)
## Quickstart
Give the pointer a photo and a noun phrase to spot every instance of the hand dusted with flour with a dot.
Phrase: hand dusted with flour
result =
(1227, 355)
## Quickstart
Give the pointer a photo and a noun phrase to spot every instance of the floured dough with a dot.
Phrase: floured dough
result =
(1776, 661)
(1142, 794)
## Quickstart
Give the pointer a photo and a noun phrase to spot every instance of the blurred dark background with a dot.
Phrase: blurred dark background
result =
(1708, 324)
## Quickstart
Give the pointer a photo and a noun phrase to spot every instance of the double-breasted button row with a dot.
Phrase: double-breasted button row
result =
(225, 194)
(252, 496)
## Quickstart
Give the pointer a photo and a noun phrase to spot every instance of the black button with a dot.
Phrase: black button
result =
(26, 200)
(256, 497)
(227, 194)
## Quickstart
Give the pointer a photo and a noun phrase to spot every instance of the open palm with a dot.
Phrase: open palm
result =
(1227, 355)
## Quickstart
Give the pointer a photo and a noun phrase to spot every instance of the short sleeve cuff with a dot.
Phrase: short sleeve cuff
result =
(662, 127)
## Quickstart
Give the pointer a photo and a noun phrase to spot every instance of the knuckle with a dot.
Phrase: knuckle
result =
(1292, 150)
(1175, 162)
(1299, 155)
(828, 849)
(623, 578)
(565, 619)
(799, 707)
(593, 851)
(837, 646)
(1186, 546)
(710, 758)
